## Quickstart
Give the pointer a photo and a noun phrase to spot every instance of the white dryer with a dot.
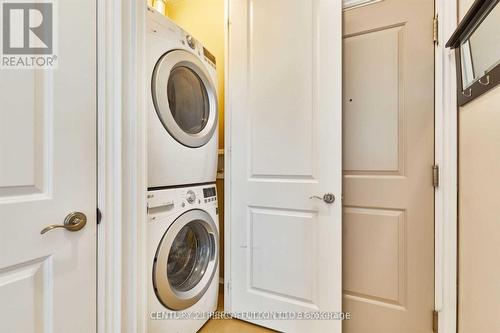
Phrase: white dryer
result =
(182, 106)
(183, 250)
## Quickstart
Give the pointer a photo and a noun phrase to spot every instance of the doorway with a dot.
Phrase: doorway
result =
(398, 173)
(388, 126)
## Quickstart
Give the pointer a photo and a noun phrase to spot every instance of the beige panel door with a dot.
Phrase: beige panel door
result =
(285, 133)
(388, 112)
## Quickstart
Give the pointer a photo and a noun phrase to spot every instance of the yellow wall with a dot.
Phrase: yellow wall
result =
(479, 217)
(204, 19)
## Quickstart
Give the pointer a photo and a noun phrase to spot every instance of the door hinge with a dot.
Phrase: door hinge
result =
(435, 30)
(435, 175)
(99, 216)
(435, 321)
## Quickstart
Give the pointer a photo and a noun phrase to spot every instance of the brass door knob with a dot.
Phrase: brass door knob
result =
(73, 222)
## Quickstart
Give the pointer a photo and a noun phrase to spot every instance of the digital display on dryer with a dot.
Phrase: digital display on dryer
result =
(209, 56)
(209, 192)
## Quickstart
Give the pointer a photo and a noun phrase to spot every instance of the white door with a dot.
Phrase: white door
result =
(48, 170)
(285, 147)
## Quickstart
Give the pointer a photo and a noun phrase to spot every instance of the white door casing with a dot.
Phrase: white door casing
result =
(47, 170)
(285, 147)
(446, 157)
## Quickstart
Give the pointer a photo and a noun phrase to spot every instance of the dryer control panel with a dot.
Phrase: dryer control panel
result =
(199, 49)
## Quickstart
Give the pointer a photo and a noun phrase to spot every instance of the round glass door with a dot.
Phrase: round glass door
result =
(189, 257)
(188, 100)
(186, 260)
(185, 98)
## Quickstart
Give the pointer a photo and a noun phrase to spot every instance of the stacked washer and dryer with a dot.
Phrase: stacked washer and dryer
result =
(183, 230)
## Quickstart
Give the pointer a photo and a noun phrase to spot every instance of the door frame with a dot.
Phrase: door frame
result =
(227, 164)
(446, 157)
(122, 169)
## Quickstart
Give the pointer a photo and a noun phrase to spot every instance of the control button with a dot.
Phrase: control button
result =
(190, 197)
(191, 41)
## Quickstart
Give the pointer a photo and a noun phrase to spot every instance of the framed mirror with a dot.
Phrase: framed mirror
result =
(477, 45)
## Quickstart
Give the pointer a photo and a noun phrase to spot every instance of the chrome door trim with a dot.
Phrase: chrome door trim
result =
(180, 300)
(159, 84)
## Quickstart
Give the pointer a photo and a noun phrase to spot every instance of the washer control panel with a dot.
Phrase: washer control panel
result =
(173, 201)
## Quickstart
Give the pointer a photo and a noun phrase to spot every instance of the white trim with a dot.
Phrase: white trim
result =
(227, 165)
(121, 167)
(134, 169)
(109, 169)
(446, 150)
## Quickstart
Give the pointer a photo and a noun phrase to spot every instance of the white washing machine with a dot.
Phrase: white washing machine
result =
(182, 106)
(183, 251)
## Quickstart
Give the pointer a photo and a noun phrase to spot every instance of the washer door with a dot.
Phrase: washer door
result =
(185, 98)
(186, 260)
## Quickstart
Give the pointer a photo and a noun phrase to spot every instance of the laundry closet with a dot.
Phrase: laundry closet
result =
(205, 21)
(185, 65)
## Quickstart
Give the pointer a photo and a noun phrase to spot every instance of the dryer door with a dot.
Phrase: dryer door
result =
(186, 260)
(185, 98)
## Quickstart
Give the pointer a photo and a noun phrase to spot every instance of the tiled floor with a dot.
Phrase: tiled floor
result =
(231, 325)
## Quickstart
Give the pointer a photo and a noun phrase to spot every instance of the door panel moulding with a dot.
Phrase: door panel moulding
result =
(352, 4)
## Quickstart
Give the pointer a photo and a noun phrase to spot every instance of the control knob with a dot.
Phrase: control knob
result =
(190, 197)
(191, 41)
